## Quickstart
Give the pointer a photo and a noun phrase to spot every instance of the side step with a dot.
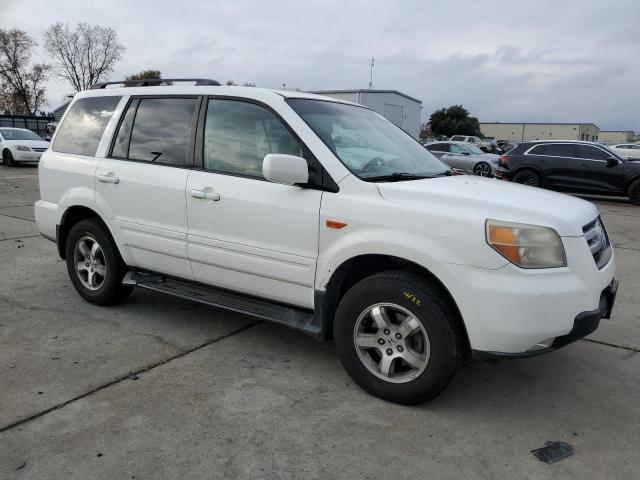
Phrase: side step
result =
(295, 318)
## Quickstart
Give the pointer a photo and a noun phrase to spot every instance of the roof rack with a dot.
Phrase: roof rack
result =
(148, 82)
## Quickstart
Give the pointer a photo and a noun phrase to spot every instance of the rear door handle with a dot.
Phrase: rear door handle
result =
(205, 195)
(108, 178)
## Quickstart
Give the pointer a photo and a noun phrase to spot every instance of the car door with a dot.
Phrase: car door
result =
(141, 184)
(246, 233)
(600, 170)
(558, 164)
(458, 157)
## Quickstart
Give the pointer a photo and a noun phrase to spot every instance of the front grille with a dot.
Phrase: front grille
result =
(38, 149)
(598, 242)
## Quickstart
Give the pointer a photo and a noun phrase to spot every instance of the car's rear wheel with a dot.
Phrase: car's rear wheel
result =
(94, 264)
(634, 192)
(7, 158)
(527, 177)
(397, 337)
(482, 169)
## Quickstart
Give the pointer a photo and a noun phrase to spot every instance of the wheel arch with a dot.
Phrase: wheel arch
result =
(630, 182)
(70, 217)
(359, 267)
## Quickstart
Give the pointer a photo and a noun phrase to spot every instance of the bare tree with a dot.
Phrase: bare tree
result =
(84, 55)
(21, 88)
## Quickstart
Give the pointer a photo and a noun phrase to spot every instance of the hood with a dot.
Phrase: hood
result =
(496, 199)
(29, 143)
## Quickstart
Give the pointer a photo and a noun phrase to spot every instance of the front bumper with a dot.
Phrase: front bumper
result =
(584, 324)
(30, 156)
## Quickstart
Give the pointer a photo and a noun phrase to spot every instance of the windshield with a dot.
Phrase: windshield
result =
(473, 149)
(370, 146)
(10, 134)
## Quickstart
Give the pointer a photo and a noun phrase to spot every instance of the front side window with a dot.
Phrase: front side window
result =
(238, 135)
(10, 134)
(453, 148)
(376, 148)
(84, 124)
(161, 130)
(592, 153)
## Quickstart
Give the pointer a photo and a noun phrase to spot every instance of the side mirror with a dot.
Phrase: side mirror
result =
(613, 162)
(285, 169)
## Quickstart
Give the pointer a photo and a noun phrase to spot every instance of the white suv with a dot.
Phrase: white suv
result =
(323, 216)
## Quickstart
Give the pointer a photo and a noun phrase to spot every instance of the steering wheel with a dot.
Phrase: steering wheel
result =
(374, 162)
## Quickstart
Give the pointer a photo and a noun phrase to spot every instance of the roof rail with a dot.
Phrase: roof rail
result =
(148, 82)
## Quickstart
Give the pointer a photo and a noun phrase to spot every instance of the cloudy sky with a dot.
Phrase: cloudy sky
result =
(538, 60)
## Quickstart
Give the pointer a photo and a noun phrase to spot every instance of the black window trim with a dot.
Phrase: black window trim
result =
(192, 131)
(529, 150)
(326, 184)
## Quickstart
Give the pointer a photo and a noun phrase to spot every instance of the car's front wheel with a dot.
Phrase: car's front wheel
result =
(94, 263)
(634, 192)
(397, 337)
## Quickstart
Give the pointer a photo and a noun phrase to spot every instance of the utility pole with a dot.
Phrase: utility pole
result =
(371, 76)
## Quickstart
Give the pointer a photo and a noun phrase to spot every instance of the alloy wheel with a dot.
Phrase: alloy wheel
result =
(90, 263)
(483, 170)
(391, 342)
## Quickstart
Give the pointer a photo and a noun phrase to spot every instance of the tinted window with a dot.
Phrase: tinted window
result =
(238, 135)
(439, 147)
(121, 145)
(161, 130)
(453, 148)
(591, 152)
(82, 128)
(554, 150)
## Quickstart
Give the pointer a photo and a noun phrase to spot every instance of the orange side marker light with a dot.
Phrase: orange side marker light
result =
(336, 225)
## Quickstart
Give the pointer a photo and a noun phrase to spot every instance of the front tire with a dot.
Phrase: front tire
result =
(634, 192)
(397, 337)
(94, 264)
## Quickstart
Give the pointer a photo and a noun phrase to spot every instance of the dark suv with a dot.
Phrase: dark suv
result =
(579, 167)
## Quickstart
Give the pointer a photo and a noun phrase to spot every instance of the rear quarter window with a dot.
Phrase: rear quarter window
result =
(84, 125)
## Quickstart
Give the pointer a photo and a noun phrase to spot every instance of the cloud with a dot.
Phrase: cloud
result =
(541, 60)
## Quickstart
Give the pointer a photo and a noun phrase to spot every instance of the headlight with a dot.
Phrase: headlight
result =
(22, 148)
(527, 246)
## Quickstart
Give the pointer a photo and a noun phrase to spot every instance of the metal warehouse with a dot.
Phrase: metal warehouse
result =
(617, 136)
(541, 131)
(398, 107)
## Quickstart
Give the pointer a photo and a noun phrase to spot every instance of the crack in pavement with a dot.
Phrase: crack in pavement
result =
(125, 377)
(19, 238)
(19, 218)
(609, 344)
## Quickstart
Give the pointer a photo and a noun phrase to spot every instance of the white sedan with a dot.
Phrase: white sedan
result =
(627, 150)
(21, 145)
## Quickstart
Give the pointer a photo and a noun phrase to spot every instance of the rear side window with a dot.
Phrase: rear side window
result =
(439, 147)
(160, 131)
(554, 150)
(458, 138)
(238, 135)
(83, 126)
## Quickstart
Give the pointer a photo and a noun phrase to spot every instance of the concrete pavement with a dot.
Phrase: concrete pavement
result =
(161, 388)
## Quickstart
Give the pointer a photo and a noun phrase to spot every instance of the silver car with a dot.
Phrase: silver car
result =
(465, 156)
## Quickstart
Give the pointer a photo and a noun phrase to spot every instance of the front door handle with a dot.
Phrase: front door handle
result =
(203, 195)
(108, 178)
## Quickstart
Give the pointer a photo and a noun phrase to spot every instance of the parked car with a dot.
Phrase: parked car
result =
(468, 139)
(465, 156)
(627, 150)
(572, 166)
(19, 145)
(341, 226)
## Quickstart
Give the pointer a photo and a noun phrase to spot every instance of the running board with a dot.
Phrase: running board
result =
(295, 318)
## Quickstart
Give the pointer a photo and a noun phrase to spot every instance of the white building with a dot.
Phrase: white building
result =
(395, 106)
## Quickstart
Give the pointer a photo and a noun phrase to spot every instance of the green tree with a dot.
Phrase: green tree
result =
(145, 75)
(454, 120)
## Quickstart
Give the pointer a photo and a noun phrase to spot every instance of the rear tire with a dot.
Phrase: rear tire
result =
(634, 192)
(94, 264)
(392, 316)
(527, 177)
(7, 158)
(482, 169)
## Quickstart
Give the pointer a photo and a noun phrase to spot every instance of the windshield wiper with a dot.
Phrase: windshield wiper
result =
(396, 177)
